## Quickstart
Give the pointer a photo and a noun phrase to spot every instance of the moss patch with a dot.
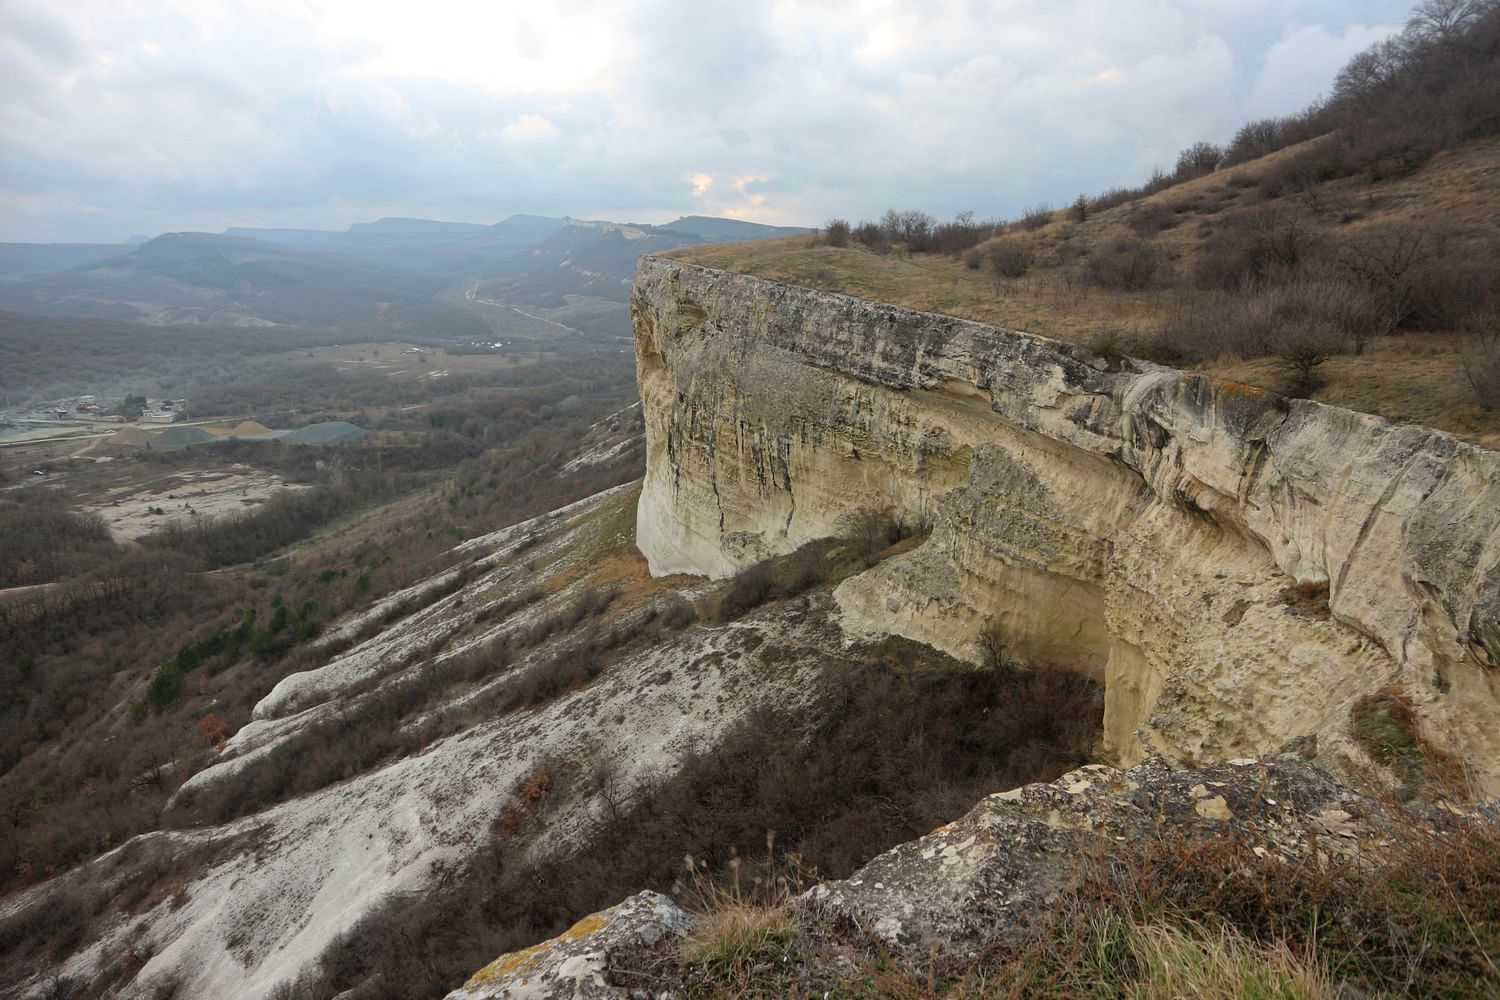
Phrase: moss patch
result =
(518, 960)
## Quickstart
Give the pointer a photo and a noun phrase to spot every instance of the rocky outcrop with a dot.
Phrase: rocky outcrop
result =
(981, 881)
(994, 871)
(591, 959)
(1238, 567)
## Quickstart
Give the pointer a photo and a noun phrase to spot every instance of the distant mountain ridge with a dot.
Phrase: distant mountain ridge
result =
(531, 276)
(202, 278)
(393, 233)
(22, 260)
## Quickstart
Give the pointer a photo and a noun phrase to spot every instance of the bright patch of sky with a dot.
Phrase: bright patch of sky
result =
(201, 114)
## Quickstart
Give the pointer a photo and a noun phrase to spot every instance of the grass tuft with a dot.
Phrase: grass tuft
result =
(1194, 960)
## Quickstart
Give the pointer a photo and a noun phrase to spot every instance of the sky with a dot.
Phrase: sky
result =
(124, 117)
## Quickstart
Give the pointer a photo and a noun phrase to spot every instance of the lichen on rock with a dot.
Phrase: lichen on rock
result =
(585, 961)
(989, 875)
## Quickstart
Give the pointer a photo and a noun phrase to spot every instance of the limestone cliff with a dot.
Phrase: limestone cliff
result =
(1240, 568)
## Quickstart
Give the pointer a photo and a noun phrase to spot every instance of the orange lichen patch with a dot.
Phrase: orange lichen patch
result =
(1225, 387)
(518, 960)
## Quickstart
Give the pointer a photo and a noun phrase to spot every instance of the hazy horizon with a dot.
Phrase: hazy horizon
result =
(206, 116)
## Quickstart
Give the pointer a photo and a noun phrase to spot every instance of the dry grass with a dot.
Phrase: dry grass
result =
(1180, 914)
(1192, 960)
(746, 921)
(1416, 376)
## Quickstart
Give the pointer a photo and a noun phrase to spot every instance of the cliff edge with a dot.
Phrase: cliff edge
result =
(1240, 568)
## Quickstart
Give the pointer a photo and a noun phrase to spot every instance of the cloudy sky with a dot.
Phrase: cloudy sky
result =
(122, 117)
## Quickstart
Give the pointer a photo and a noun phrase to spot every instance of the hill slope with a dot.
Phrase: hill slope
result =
(198, 278)
(1061, 278)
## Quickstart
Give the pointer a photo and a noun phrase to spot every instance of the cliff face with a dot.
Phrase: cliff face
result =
(1238, 567)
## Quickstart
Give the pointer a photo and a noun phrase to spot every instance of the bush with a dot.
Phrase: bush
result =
(1150, 219)
(836, 232)
(1256, 247)
(1127, 266)
(165, 685)
(992, 642)
(1483, 374)
(1256, 139)
(1198, 159)
(1010, 257)
(1302, 351)
(1297, 319)
(1304, 170)
(911, 227)
(959, 235)
(1112, 198)
(749, 589)
(1384, 261)
(873, 236)
(1448, 293)
(1036, 217)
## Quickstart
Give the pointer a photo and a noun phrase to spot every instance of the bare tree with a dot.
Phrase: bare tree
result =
(993, 644)
(1386, 262)
(1198, 159)
(1445, 21)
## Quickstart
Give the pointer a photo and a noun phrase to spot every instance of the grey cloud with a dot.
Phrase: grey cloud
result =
(267, 118)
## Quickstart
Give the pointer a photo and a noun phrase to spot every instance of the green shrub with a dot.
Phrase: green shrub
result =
(165, 685)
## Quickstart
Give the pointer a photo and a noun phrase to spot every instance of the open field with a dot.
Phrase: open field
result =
(408, 362)
(135, 498)
(136, 507)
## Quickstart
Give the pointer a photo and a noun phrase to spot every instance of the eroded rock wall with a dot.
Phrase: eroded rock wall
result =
(1168, 532)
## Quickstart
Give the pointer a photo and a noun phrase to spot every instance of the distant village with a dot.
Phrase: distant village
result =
(143, 409)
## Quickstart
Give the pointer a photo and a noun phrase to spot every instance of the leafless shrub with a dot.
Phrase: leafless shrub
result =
(1301, 319)
(1198, 159)
(960, 234)
(869, 531)
(1455, 292)
(1010, 257)
(1256, 139)
(836, 232)
(993, 644)
(1126, 265)
(1036, 217)
(1112, 198)
(1304, 170)
(1150, 219)
(1302, 350)
(1388, 261)
(678, 612)
(1482, 370)
(1256, 247)
(873, 236)
(911, 227)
